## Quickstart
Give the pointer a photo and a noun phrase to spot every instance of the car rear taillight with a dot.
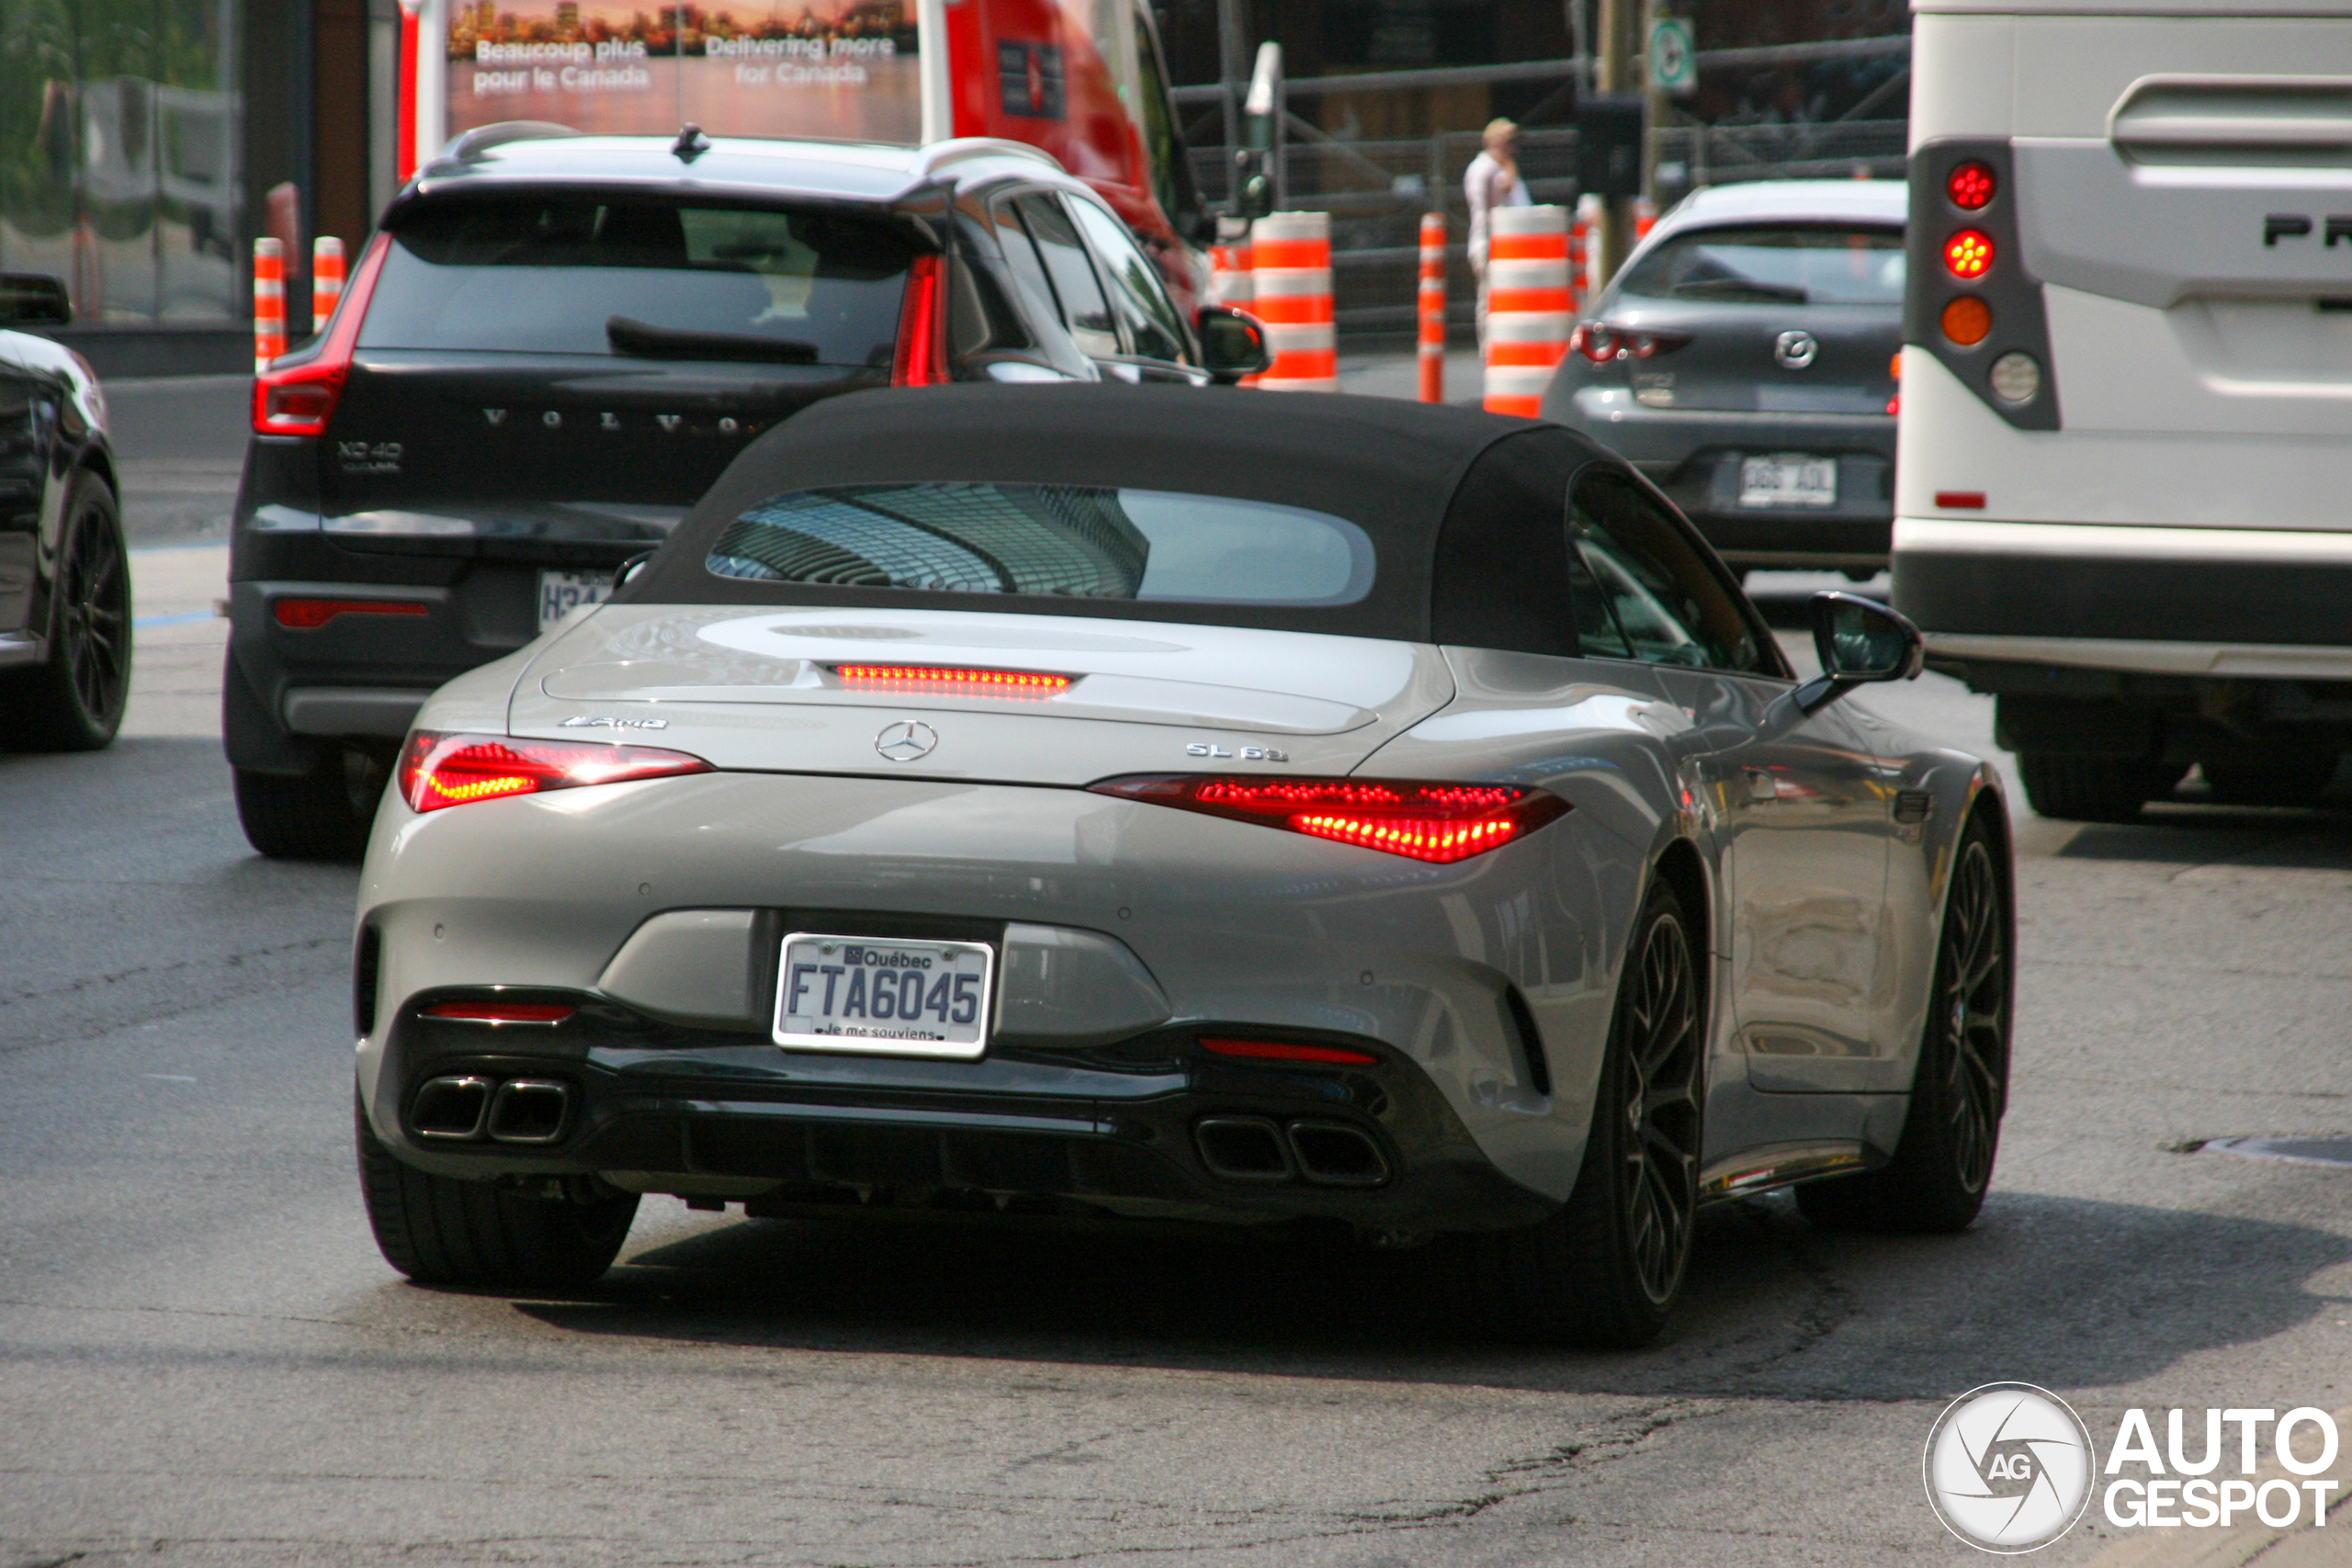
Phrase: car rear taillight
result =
(921, 359)
(501, 1012)
(931, 679)
(300, 398)
(440, 769)
(309, 614)
(1435, 821)
(1970, 185)
(1287, 1051)
(1600, 343)
(1969, 253)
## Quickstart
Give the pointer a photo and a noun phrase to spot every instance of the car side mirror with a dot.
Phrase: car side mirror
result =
(1859, 641)
(629, 570)
(1233, 342)
(34, 300)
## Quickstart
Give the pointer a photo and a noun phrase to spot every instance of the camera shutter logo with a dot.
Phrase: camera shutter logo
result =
(2008, 1467)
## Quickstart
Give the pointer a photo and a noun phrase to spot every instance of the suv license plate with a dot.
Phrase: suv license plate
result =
(884, 997)
(1788, 479)
(560, 592)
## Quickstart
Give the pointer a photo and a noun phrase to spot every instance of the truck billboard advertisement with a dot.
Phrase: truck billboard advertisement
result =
(840, 69)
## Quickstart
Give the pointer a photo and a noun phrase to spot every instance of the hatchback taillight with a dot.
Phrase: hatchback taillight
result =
(1441, 822)
(440, 769)
(1600, 343)
(300, 398)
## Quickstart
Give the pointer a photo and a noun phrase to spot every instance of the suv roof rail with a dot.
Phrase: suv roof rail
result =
(470, 144)
(939, 154)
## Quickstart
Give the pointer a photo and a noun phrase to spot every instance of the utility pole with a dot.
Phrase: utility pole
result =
(1613, 74)
(1232, 52)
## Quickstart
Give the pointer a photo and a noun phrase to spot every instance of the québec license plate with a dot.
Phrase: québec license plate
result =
(560, 592)
(884, 997)
(1788, 479)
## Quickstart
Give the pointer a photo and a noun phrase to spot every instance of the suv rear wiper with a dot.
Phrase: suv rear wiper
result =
(1741, 290)
(648, 341)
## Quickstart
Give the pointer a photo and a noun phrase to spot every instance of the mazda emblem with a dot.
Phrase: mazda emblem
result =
(905, 739)
(1795, 350)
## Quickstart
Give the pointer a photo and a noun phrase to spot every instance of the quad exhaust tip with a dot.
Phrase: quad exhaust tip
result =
(464, 1110)
(1260, 1150)
(529, 1111)
(451, 1109)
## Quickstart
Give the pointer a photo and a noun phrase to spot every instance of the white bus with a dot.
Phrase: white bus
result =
(2124, 500)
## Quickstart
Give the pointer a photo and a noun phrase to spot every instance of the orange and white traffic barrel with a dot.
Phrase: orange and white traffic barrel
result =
(1580, 250)
(1528, 308)
(1290, 266)
(1231, 281)
(270, 303)
(326, 279)
(1644, 218)
(1432, 301)
(1230, 275)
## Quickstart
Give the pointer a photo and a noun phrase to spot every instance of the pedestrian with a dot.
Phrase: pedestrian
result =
(1491, 181)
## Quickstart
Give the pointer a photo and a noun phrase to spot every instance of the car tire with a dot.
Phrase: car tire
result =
(2092, 789)
(73, 701)
(440, 1230)
(2294, 778)
(1606, 1268)
(321, 815)
(1944, 1165)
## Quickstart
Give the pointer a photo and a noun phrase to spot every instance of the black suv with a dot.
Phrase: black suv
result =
(553, 347)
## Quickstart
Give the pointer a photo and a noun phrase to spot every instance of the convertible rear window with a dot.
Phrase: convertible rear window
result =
(1068, 541)
(1775, 264)
(641, 278)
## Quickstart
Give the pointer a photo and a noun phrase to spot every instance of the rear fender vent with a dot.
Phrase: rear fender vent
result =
(367, 969)
(1531, 1041)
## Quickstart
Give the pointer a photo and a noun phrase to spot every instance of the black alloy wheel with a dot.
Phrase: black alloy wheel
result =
(1942, 1168)
(1606, 1268)
(74, 700)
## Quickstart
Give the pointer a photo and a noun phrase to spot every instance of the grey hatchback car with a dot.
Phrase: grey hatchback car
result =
(1744, 360)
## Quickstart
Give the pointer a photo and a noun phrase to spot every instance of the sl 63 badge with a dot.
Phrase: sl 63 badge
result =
(368, 456)
(1247, 753)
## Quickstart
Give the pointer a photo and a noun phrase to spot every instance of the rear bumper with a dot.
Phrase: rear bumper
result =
(1694, 457)
(1130, 1131)
(1148, 928)
(2180, 602)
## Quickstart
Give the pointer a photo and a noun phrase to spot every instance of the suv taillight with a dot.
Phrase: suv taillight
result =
(300, 398)
(921, 359)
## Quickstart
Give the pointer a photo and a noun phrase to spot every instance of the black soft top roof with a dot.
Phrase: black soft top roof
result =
(1464, 510)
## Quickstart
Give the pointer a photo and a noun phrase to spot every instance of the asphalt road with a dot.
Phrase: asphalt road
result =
(203, 1361)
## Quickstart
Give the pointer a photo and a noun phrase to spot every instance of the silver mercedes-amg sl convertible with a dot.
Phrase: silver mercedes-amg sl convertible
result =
(1148, 803)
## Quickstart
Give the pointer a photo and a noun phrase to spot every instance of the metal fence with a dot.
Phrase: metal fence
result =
(1377, 192)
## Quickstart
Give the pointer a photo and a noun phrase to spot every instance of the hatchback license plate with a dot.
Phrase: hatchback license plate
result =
(560, 592)
(1788, 479)
(884, 997)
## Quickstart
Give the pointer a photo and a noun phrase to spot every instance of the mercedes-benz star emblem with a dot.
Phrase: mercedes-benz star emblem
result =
(1795, 350)
(905, 739)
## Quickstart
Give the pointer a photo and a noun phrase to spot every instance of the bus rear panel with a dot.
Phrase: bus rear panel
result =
(2124, 482)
